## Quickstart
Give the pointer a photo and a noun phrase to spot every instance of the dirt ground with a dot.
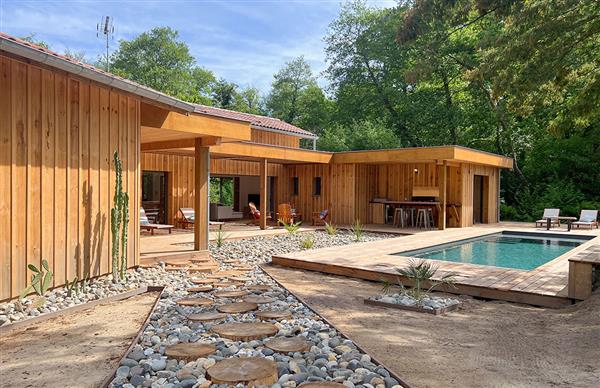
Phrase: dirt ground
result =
(483, 344)
(79, 349)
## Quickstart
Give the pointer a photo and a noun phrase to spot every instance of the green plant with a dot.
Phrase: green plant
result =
(72, 287)
(292, 227)
(357, 230)
(308, 242)
(220, 238)
(330, 229)
(421, 273)
(41, 279)
(119, 220)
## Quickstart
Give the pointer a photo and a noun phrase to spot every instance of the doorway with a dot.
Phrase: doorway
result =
(154, 196)
(480, 203)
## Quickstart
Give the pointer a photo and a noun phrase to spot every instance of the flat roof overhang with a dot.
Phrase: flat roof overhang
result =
(165, 128)
(247, 151)
(452, 154)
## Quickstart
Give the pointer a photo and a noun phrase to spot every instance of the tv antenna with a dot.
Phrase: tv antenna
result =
(106, 28)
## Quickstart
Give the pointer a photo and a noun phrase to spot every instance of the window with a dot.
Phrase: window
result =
(295, 185)
(317, 185)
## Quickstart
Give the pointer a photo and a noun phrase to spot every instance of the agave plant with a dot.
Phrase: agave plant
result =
(220, 238)
(421, 272)
(292, 227)
(330, 229)
(308, 242)
(357, 230)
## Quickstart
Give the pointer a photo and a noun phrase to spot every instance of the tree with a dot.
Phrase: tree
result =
(32, 39)
(158, 59)
(360, 135)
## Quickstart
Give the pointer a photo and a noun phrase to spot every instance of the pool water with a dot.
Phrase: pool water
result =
(504, 250)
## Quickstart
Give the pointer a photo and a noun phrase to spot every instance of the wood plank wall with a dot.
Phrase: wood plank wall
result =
(492, 207)
(57, 136)
(273, 138)
(180, 178)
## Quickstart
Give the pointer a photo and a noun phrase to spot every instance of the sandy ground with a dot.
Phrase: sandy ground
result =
(483, 344)
(79, 349)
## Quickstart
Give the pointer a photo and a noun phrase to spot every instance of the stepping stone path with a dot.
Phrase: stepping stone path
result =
(266, 314)
(200, 289)
(259, 287)
(194, 302)
(238, 307)
(242, 279)
(259, 299)
(252, 371)
(288, 344)
(245, 331)
(177, 263)
(203, 281)
(190, 351)
(201, 269)
(206, 317)
(230, 294)
(227, 284)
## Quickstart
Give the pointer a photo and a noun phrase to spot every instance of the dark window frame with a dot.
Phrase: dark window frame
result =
(295, 185)
(317, 186)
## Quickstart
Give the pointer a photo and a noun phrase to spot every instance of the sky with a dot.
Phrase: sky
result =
(243, 41)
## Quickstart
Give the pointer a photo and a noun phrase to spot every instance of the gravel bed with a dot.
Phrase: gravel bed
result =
(330, 357)
(428, 303)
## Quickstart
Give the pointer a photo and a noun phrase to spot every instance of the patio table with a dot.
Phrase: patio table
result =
(568, 219)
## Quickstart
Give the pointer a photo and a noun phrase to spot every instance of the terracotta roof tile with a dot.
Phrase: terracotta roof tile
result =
(256, 120)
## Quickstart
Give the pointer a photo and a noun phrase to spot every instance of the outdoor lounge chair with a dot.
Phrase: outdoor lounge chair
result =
(549, 213)
(320, 218)
(146, 225)
(185, 217)
(587, 218)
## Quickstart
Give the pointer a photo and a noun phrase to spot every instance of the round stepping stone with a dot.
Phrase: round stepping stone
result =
(259, 287)
(251, 371)
(200, 289)
(205, 317)
(189, 351)
(194, 302)
(245, 331)
(288, 344)
(239, 307)
(240, 279)
(259, 299)
(231, 294)
(266, 314)
(322, 384)
(203, 281)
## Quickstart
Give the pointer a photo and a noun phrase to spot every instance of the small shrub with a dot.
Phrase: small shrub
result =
(220, 238)
(292, 228)
(330, 229)
(72, 287)
(308, 242)
(420, 272)
(41, 279)
(357, 230)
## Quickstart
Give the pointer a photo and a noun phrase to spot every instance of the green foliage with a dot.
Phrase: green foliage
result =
(357, 230)
(119, 221)
(221, 191)
(292, 227)
(72, 287)
(32, 39)
(220, 238)
(421, 273)
(308, 242)
(41, 279)
(330, 228)
(359, 135)
(158, 59)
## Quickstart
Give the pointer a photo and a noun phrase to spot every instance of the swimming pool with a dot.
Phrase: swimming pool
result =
(507, 250)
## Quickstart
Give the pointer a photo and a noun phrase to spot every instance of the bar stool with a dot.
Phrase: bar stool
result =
(425, 218)
(397, 216)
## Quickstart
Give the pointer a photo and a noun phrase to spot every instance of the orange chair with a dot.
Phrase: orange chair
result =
(284, 214)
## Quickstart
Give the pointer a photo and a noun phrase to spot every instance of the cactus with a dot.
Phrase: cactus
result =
(41, 279)
(119, 217)
(72, 287)
(125, 222)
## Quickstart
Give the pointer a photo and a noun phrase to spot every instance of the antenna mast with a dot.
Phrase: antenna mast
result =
(106, 28)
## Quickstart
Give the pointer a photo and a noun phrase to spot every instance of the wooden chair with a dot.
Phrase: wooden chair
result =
(185, 217)
(320, 218)
(284, 214)
(587, 218)
(549, 213)
(146, 225)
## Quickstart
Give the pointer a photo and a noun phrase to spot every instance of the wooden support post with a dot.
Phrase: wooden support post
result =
(442, 181)
(201, 189)
(580, 280)
(263, 194)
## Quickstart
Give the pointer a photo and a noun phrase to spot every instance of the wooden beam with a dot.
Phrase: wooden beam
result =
(271, 152)
(443, 179)
(198, 124)
(263, 193)
(201, 189)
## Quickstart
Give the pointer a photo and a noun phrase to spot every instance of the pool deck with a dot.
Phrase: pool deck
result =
(546, 285)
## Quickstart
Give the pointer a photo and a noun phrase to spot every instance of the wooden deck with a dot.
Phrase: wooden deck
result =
(546, 285)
